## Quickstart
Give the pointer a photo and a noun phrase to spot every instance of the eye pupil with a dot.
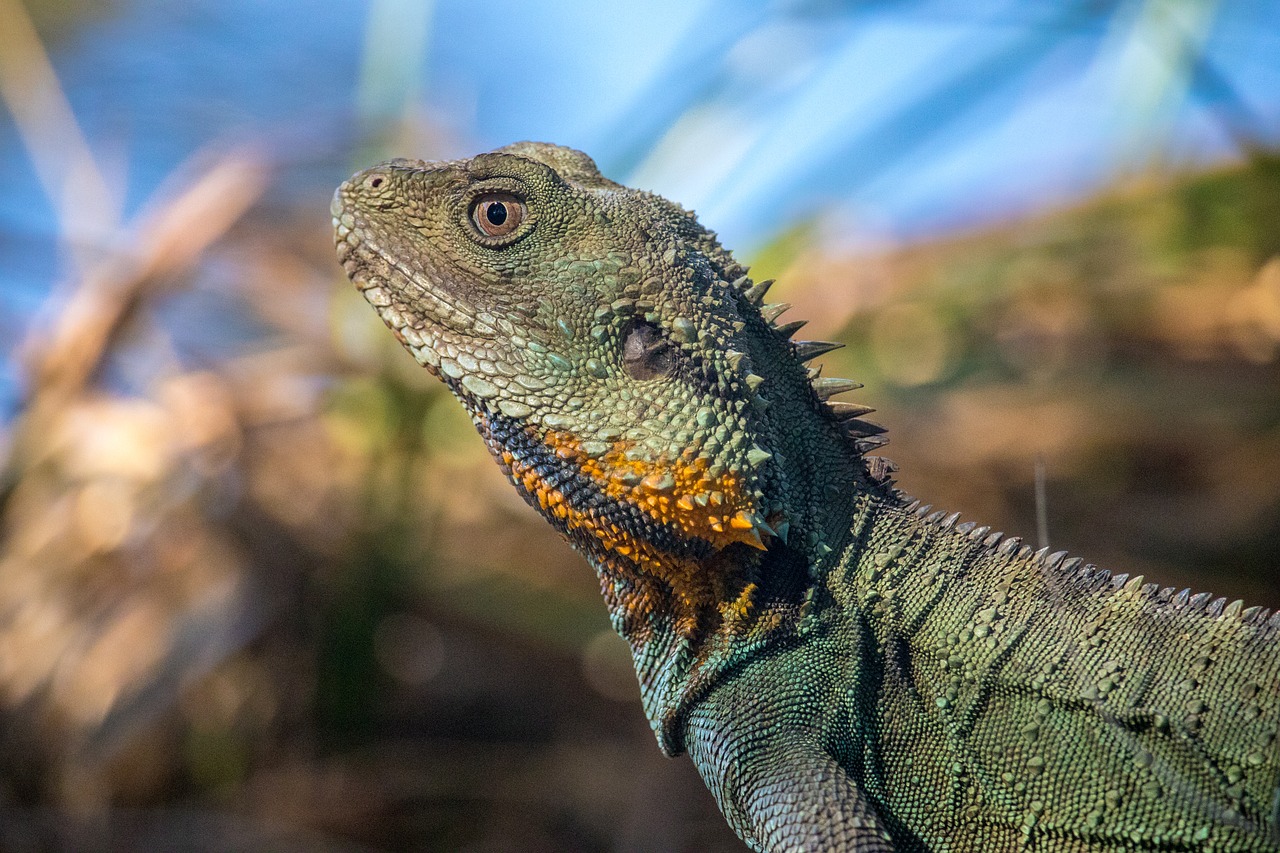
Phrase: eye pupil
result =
(497, 214)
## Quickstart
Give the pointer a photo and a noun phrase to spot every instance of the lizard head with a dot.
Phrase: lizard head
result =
(619, 362)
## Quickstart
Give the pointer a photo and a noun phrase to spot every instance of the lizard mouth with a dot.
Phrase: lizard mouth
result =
(412, 303)
(460, 345)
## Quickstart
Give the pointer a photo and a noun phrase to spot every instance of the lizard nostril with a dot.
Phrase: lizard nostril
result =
(373, 182)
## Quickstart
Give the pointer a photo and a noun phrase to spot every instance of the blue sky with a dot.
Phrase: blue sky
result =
(889, 119)
(916, 117)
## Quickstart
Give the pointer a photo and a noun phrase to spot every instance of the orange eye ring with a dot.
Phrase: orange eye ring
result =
(497, 214)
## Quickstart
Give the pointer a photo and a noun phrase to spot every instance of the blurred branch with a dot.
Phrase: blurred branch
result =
(63, 161)
(680, 85)
(59, 361)
(1158, 61)
(872, 152)
(1241, 122)
(165, 239)
(395, 51)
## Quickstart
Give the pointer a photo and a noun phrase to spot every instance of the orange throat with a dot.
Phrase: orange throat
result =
(681, 498)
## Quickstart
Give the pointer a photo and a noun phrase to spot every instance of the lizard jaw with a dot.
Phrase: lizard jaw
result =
(457, 343)
(398, 254)
(405, 299)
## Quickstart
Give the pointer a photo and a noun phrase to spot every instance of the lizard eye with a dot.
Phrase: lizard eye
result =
(497, 214)
(646, 354)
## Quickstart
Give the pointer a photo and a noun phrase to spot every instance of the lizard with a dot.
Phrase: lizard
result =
(848, 669)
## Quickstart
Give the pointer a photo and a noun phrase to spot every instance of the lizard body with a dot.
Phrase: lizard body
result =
(847, 671)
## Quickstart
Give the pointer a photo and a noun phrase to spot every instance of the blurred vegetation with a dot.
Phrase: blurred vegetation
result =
(1131, 345)
(261, 587)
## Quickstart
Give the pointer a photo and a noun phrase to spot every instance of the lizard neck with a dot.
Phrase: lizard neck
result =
(699, 582)
(682, 546)
(702, 565)
(762, 598)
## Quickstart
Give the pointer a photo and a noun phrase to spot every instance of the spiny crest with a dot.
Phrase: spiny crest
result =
(865, 435)
(1093, 579)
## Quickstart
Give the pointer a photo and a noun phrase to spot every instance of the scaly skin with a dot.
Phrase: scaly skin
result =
(847, 671)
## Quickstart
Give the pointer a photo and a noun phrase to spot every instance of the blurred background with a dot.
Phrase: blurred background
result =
(260, 586)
